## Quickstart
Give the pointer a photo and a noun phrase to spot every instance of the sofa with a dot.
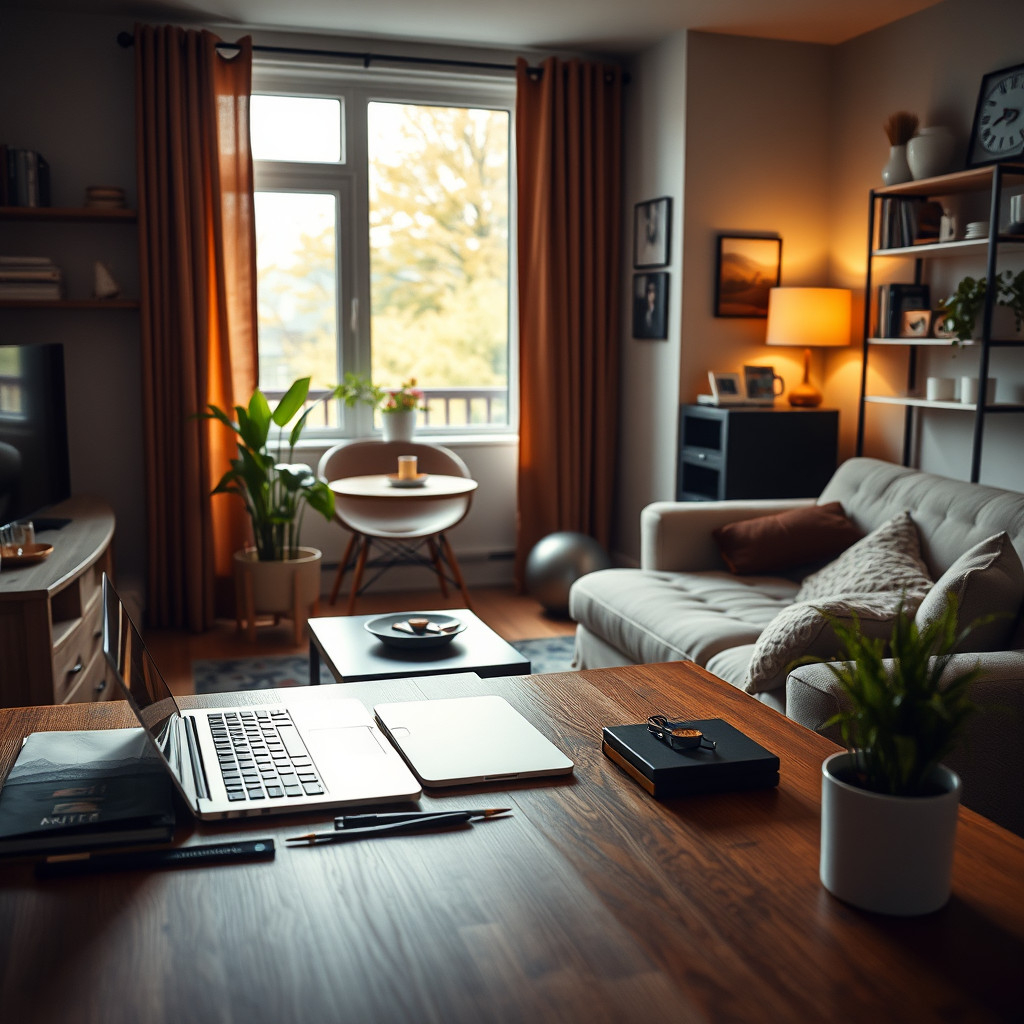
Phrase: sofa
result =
(885, 536)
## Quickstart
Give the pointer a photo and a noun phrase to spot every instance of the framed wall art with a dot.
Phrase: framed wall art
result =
(650, 306)
(652, 222)
(748, 267)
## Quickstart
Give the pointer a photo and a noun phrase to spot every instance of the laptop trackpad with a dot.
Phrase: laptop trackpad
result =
(337, 749)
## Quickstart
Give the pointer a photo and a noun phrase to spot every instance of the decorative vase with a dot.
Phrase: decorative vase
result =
(929, 152)
(399, 426)
(897, 170)
(888, 854)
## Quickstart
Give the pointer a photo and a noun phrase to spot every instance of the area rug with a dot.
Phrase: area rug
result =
(220, 675)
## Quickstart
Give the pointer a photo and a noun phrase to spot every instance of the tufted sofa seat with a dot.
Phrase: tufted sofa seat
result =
(684, 604)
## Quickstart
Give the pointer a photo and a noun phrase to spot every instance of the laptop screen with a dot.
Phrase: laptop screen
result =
(145, 689)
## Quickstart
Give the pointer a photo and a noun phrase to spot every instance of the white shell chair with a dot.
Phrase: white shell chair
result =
(400, 530)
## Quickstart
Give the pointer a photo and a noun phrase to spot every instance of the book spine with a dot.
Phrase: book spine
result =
(631, 770)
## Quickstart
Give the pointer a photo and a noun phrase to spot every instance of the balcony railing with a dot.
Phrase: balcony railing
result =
(446, 408)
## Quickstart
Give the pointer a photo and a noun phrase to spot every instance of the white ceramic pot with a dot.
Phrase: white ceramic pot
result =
(896, 170)
(279, 587)
(889, 854)
(399, 426)
(929, 152)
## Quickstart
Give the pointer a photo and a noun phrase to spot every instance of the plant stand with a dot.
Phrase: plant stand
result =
(282, 589)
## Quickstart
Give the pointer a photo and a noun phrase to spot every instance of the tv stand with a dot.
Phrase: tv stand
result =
(50, 612)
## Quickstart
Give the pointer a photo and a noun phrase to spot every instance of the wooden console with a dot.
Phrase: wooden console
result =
(50, 613)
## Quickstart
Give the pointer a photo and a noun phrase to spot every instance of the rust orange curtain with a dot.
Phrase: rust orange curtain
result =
(569, 159)
(198, 286)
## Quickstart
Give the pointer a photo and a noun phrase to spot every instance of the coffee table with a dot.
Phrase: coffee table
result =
(353, 654)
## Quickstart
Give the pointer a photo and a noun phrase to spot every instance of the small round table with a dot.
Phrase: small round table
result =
(399, 519)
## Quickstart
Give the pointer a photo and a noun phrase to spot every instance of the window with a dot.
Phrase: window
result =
(383, 244)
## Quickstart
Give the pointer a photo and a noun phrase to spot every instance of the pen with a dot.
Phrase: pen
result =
(356, 820)
(166, 857)
(424, 821)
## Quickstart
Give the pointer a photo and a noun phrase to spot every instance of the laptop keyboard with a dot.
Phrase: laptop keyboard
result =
(261, 755)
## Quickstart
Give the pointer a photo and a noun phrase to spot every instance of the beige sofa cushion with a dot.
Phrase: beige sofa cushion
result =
(888, 558)
(987, 580)
(807, 629)
(662, 616)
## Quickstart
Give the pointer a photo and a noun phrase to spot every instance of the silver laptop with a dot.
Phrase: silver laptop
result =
(452, 741)
(260, 758)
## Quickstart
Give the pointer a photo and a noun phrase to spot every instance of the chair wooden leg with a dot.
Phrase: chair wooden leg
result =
(342, 566)
(364, 548)
(449, 555)
(435, 555)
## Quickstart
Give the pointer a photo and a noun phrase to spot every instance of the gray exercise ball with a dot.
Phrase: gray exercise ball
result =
(556, 562)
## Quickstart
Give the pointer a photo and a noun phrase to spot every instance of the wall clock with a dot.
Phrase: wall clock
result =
(998, 130)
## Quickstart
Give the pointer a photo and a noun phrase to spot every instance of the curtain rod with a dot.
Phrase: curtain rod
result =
(126, 39)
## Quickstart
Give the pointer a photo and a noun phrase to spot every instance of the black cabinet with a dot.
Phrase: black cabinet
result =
(747, 452)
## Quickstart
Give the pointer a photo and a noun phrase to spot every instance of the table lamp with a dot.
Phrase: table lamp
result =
(813, 318)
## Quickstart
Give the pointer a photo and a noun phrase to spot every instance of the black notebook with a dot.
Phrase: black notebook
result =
(737, 762)
(81, 790)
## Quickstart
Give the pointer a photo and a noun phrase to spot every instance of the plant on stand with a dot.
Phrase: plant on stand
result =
(889, 807)
(277, 576)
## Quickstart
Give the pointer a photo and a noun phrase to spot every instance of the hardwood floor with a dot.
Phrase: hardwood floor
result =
(512, 616)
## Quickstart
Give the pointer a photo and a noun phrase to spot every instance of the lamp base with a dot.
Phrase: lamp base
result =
(805, 394)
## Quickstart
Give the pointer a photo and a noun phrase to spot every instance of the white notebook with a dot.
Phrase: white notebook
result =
(452, 741)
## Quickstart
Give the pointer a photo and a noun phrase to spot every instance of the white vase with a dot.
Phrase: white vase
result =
(399, 426)
(280, 587)
(897, 170)
(929, 152)
(888, 854)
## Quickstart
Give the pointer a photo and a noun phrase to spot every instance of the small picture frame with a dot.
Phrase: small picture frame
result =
(748, 267)
(916, 323)
(650, 306)
(652, 223)
(726, 388)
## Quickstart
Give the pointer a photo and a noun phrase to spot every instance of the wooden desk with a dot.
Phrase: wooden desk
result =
(593, 902)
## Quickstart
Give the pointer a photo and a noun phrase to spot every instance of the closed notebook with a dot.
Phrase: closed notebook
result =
(81, 790)
(736, 763)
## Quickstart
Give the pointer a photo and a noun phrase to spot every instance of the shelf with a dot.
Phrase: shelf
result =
(963, 247)
(947, 343)
(69, 304)
(951, 184)
(68, 213)
(924, 403)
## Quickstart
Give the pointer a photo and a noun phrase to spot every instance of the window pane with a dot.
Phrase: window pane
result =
(296, 128)
(297, 274)
(439, 185)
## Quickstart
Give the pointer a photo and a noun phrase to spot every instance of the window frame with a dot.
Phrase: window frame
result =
(348, 179)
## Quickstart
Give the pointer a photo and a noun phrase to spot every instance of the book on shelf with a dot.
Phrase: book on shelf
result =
(34, 290)
(26, 177)
(908, 221)
(893, 301)
(736, 763)
(81, 790)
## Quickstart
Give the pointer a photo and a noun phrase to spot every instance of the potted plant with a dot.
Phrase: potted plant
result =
(889, 807)
(398, 406)
(277, 575)
(960, 311)
(1011, 295)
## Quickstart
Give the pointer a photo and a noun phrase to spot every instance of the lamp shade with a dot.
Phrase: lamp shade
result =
(809, 317)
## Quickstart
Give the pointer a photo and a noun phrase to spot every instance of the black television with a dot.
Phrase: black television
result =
(35, 469)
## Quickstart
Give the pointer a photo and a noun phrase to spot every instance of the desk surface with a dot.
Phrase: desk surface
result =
(593, 902)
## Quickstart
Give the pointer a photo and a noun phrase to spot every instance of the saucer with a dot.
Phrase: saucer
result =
(30, 554)
(410, 481)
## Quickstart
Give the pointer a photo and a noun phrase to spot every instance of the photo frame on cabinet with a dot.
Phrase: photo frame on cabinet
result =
(748, 267)
(652, 224)
(650, 306)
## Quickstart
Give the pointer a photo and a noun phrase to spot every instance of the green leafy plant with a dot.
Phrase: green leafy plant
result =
(356, 388)
(1011, 294)
(903, 716)
(275, 491)
(960, 311)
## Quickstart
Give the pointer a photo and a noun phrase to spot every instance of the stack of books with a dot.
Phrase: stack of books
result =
(24, 177)
(105, 197)
(29, 277)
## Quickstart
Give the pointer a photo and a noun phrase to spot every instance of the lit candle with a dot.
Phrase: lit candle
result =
(406, 467)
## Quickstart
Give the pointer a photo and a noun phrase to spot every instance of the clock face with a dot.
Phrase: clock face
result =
(999, 120)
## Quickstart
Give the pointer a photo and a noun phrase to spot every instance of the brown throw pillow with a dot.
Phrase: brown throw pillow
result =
(786, 540)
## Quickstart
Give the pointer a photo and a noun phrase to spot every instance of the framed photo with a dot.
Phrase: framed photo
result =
(652, 221)
(896, 299)
(749, 267)
(726, 388)
(650, 306)
(998, 115)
